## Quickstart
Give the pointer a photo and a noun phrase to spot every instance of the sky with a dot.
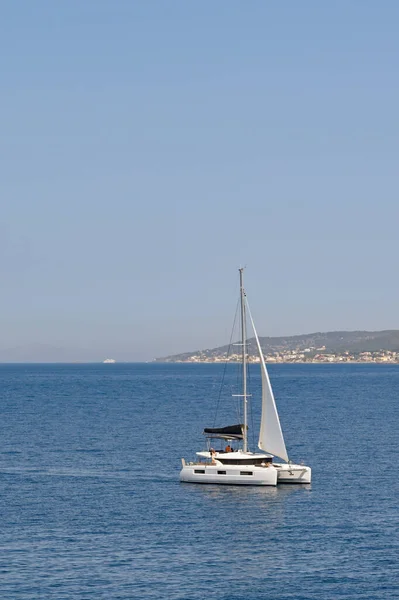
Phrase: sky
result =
(149, 149)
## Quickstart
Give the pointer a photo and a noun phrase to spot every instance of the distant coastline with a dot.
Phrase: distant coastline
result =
(268, 363)
(377, 360)
(330, 347)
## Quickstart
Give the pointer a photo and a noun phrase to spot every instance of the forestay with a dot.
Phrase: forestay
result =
(270, 435)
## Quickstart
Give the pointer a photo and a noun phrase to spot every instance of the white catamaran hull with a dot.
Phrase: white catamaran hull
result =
(230, 475)
(289, 473)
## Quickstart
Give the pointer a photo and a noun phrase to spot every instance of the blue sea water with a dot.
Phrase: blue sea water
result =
(91, 505)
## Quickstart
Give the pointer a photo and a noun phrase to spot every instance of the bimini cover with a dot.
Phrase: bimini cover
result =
(232, 432)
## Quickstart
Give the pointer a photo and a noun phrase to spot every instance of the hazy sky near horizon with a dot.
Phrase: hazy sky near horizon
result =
(150, 148)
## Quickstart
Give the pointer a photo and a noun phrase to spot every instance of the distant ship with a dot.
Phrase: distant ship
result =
(108, 361)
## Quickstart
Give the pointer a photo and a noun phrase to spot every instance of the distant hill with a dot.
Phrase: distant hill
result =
(331, 341)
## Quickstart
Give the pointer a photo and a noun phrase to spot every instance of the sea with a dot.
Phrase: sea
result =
(91, 506)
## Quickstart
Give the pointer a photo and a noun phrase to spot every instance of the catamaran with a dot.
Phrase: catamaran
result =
(241, 466)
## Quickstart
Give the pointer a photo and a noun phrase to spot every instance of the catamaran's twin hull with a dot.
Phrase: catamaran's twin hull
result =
(231, 475)
(245, 474)
(289, 473)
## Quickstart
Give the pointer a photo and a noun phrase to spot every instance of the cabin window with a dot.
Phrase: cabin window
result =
(221, 472)
(199, 471)
(246, 473)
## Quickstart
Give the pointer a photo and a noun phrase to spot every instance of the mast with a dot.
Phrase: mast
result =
(244, 359)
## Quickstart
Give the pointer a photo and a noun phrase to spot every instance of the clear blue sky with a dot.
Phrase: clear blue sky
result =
(150, 148)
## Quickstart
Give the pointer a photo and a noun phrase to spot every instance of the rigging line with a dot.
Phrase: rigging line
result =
(238, 385)
(250, 406)
(239, 378)
(225, 364)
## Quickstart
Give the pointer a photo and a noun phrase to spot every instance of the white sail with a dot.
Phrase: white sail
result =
(270, 435)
